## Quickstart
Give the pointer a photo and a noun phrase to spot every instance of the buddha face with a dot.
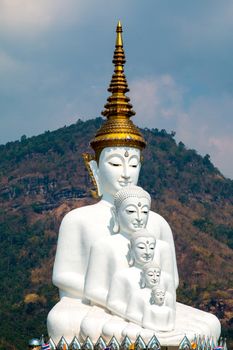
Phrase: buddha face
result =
(152, 276)
(133, 214)
(143, 250)
(158, 295)
(118, 167)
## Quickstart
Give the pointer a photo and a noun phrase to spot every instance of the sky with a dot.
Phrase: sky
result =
(56, 65)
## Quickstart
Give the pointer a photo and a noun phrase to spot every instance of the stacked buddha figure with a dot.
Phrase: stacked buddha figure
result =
(96, 242)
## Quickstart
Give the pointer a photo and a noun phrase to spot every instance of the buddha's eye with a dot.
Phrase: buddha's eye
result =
(150, 274)
(141, 246)
(130, 211)
(114, 164)
(133, 163)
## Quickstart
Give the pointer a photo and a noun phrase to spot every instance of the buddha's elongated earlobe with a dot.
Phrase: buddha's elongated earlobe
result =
(142, 282)
(92, 168)
(116, 226)
(95, 176)
(130, 256)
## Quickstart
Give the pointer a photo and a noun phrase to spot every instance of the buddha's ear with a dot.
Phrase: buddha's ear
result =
(130, 256)
(116, 226)
(95, 176)
(142, 280)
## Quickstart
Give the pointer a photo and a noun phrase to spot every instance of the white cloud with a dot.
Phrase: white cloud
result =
(29, 17)
(161, 102)
(47, 66)
(155, 99)
(222, 149)
(209, 129)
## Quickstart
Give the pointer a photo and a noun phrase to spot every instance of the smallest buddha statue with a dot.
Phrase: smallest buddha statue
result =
(152, 304)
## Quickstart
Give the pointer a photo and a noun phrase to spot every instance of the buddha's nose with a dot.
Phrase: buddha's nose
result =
(139, 216)
(139, 220)
(125, 175)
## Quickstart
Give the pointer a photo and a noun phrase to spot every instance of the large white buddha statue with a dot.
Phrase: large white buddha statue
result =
(116, 164)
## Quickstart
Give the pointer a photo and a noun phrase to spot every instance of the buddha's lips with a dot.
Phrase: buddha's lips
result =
(124, 183)
(147, 257)
(138, 225)
(154, 281)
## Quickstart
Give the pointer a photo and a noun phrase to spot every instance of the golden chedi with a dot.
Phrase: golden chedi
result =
(118, 130)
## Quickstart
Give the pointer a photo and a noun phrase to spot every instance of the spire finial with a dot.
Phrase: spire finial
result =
(119, 41)
(118, 130)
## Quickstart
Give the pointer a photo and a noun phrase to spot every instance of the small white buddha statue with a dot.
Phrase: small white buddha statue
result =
(130, 292)
(156, 311)
(159, 312)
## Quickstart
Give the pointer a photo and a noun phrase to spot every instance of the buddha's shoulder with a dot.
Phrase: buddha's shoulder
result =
(111, 241)
(162, 245)
(82, 214)
(155, 217)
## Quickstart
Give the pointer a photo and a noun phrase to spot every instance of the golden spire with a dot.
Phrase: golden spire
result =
(118, 130)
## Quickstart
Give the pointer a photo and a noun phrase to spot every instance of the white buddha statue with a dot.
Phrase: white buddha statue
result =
(153, 306)
(116, 164)
(129, 296)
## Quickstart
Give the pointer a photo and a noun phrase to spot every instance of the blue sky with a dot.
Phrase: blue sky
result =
(55, 67)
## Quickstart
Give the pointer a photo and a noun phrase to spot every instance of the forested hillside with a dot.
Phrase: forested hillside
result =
(43, 177)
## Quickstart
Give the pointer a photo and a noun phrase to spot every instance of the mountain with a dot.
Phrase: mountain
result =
(44, 177)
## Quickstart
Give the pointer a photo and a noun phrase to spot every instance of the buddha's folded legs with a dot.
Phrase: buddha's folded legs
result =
(65, 319)
(133, 331)
(114, 326)
(189, 322)
(202, 322)
(71, 317)
(93, 323)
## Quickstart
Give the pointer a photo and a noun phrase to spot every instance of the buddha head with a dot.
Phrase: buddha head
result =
(141, 248)
(131, 210)
(157, 296)
(116, 168)
(150, 275)
(118, 143)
